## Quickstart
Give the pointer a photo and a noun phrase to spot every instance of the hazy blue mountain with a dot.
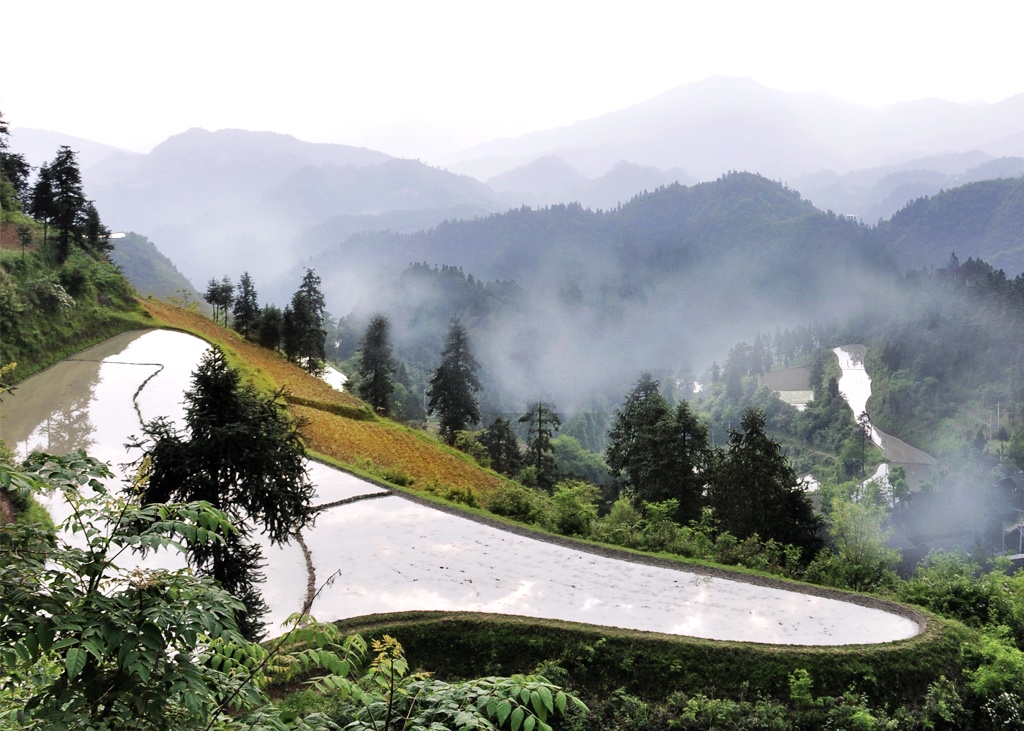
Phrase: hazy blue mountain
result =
(546, 180)
(875, 194)
(220, 202)
(723, 123)
(671, 277)
(549, 180)
(626, 180)
(196, 172)
(39, 146)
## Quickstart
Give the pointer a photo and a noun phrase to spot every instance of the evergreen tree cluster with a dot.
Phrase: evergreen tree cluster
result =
(659, 454)
(298, 330)
(55, 199)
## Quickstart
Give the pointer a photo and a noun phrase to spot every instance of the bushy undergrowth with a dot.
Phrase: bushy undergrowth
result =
(641, 681)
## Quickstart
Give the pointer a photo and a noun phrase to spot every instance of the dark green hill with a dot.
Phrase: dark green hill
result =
(149, 271)
(741, 229)
(983, 220)
(49, 311)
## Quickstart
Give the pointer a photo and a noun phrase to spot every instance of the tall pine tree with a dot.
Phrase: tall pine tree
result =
(303, 325)
(68, 200)
(454, 385)
(377, 366)
(543, 425)
(246, 309)
(657, 453)
(754, 489)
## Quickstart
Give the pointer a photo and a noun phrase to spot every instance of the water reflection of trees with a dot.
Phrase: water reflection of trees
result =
(68, 427)
(50, 412)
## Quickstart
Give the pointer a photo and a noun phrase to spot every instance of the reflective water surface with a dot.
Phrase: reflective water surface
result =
(391, 554)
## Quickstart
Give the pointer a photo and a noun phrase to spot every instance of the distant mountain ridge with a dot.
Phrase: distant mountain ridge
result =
(219, 202)
(669, 278)
(210, 200)
(725, 123)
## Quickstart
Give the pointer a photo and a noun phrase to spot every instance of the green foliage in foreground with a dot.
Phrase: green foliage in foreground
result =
(88, 644)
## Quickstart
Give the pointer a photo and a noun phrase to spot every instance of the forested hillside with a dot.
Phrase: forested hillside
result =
(983, 220)
(59, 291)
(149, 271)
(664, 282)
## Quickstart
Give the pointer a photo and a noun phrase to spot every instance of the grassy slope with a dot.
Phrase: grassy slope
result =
(337, 425)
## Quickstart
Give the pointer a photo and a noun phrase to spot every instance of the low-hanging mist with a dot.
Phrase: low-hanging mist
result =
(567, 304)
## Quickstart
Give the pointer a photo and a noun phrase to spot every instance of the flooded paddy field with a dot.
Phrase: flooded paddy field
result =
(393, 554)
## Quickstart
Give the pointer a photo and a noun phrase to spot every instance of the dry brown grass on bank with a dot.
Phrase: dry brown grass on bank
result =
(393, 450)
(388, 450)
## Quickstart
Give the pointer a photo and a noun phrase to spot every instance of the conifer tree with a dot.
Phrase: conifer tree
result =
(754, 489)
(220, 295)
(377, 366)
(657, 453)
(270, 327)
(454, 385)
(246, 309)
(502, 447)
(68, 200)
(303, 324)
(14, 172)
(96, 236)
(240, 453)
(543, 425)
(41, 204)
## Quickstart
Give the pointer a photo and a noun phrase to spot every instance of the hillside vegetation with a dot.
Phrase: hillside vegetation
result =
(338, 426)
(49, 310)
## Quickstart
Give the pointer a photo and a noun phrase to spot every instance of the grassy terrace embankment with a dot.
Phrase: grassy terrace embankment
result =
(603, 660)
(339, 426)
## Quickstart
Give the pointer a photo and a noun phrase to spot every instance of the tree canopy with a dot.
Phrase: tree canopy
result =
(755, 490)
(303, 325)
(543, 424)
(246, 309)
(658, 453)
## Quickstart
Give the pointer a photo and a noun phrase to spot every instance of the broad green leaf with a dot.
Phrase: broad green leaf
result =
(32, 643)
(504, 709)
(517, 718)
(74, 661)
(529, 723)
(545, 696)
(560, 701)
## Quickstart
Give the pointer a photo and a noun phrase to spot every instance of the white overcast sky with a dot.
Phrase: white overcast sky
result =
(417, 78)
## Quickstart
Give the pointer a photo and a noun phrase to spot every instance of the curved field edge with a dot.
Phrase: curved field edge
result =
(386, 453)
(600, 660)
